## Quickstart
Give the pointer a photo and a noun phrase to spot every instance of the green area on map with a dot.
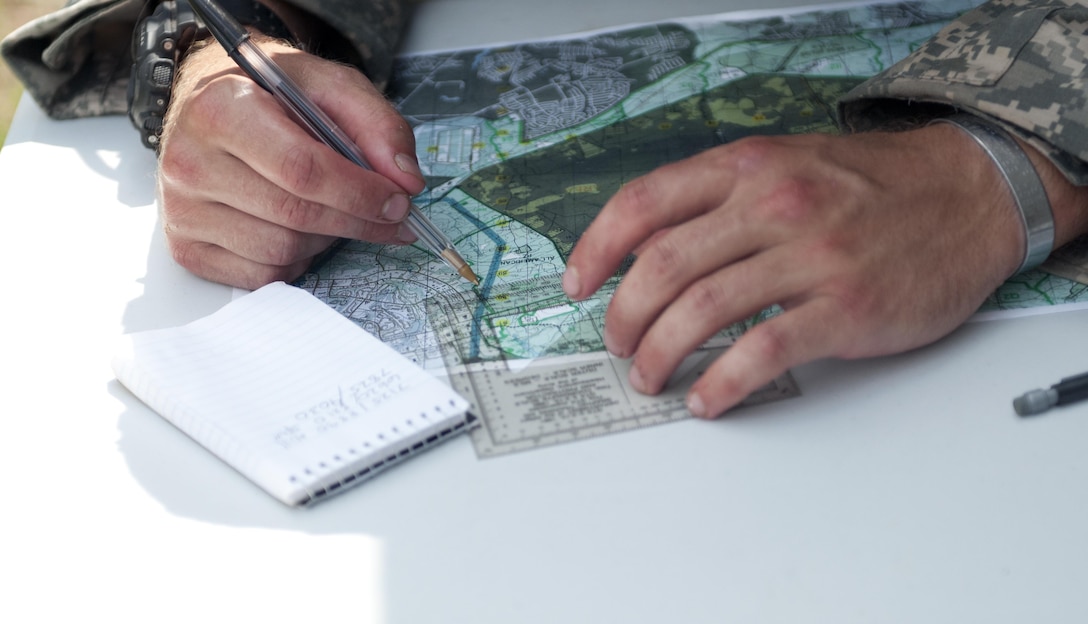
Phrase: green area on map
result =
(522, 145)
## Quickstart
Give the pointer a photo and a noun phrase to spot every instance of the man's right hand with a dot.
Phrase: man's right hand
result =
(248, 197)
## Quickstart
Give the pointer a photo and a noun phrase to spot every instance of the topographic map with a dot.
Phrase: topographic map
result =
(522, 144)
(1061, 282)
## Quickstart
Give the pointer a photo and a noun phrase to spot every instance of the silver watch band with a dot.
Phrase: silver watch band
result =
(1023, 181)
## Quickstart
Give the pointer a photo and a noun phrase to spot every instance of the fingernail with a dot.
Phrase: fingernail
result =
(395, 207)
(572, 284)
(406, 235)
(610, 344)
(408, 165)
(696, 406)
(634, 376)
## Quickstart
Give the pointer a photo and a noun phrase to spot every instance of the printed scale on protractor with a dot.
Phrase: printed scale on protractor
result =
(528, 403)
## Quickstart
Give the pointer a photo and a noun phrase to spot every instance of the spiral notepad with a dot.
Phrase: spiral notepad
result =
(290, 393)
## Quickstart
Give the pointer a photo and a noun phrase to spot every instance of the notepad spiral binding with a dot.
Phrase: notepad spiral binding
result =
(367, 472)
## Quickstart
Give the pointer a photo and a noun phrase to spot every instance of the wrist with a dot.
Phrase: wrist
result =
(1028, 194)
(1068, 202)
(161, 42)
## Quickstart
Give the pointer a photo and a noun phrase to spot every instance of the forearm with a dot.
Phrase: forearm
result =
(1019, 63)
(1068, 201)
(76, 61)
(363, 33)
(1016, 63)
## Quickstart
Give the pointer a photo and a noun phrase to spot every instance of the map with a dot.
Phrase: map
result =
(1034, 291)
(522, 144)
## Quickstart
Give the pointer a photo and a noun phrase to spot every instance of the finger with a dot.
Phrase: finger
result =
(712, 303)
(763, 353)
(306, 168)
(217, 264)
(664, 197)
(386, 139)
(236, 117)
(656, 236)
(668, 265)
(226, 179)
(360, 109)
(241, 234)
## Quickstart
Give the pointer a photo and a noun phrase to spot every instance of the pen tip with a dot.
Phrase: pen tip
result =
(467, 273)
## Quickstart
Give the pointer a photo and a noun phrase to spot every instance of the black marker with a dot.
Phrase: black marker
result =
(1068, 390)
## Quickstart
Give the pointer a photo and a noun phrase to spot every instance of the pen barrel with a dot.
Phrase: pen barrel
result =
(264, 71)
(1072, 389)
(222, 25)
(305, 112)
(427, 234)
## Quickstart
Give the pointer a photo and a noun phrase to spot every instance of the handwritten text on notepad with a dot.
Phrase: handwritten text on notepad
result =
(352, 402)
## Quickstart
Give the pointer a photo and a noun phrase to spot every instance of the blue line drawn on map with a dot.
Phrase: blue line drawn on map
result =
(488, 277)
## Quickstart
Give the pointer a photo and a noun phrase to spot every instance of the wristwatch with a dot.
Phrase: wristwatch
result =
(160, 42)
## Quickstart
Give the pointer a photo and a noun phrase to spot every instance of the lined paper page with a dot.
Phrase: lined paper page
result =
(284, 388)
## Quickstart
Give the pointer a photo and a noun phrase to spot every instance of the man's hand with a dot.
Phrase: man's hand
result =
(249, 197)
(871, 243)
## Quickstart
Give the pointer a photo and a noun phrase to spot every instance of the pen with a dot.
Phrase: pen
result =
(1068, 390)
(264, 71)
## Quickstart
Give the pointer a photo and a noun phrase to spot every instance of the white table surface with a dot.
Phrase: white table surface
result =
(901, 489)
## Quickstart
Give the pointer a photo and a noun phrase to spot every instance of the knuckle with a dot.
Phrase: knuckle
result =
(376, 232)
(707, 297)
(380, 112)
(388, 119)
(171, 209)
(208, 108)
(285, 247)
(855, 302)
(769, 344)
(177, 214)
(186, 254)
(294, 212)
(853, 294)
(179, 168)
(205, 112)
(347, 74)
(730, 389)
(299, 170)
(666, 258)
(362, 201)
(751, 153)
(830, 250)
(639, 194)
(792, 201)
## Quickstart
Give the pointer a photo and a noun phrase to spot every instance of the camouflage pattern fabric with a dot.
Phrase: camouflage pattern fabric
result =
(1020, 63)
(76, 62)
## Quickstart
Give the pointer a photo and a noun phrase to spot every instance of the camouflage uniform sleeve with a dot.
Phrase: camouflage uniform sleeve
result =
(76, 61)
(1021, 63)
